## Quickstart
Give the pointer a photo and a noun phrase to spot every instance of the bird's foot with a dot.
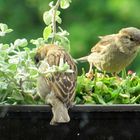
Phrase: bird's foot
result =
(90, 75)
(53, 122)
(119, 79)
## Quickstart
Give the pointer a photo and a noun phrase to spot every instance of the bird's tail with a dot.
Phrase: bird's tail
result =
(82, 59)
(60, 112)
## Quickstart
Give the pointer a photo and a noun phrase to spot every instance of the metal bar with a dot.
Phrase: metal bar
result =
(76, 108)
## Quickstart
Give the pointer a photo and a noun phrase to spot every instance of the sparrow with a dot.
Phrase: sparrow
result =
(114, 52)
(57, 89)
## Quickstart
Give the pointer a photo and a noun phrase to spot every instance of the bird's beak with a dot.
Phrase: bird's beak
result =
(36, 59)
(138, 39)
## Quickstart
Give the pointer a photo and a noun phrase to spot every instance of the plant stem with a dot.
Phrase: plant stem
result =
(55, 8)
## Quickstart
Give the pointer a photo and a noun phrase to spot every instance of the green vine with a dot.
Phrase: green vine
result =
(51, 18)
(55, 8)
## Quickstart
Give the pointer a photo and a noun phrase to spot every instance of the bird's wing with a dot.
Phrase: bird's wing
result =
(103, 43)
(63, 84)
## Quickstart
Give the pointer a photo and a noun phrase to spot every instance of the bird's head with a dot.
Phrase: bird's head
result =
(129, 37)
(42, 52)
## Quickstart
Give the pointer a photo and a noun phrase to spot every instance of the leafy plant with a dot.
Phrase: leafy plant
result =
(108, 90)
(51, 18)
(18, 72)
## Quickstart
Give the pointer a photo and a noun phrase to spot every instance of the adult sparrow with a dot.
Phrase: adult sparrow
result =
(114, 52)
(58, 89)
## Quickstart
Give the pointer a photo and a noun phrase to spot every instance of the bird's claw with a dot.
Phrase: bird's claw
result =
(89, 75)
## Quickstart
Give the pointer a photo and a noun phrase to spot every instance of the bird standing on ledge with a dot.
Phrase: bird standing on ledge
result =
(114, 52)
(59, 88)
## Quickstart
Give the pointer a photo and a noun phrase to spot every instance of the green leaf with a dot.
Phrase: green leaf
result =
(65, 43)
(13, 60)
(4, 29)
(135, 99)
(17, 96)
(38, 42)
(3, 85)
(88, 99)
(20, 42)
(124, 74)
(64, 4)
(100, 99)
(12, 67)
(58, 19)
(51, 4)
(47, 32)
(9, 30)
(47, 17)
(62, 39)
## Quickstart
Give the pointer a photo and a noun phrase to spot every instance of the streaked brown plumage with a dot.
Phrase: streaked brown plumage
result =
(59, 89)
(114, 52)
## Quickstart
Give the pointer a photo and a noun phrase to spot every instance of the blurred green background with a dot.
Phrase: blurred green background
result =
(85, 20)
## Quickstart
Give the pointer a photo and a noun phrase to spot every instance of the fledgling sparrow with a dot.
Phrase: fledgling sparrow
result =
(58, 89)
(114, 52)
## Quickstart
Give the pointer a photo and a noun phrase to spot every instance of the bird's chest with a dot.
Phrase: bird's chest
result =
(116, 61)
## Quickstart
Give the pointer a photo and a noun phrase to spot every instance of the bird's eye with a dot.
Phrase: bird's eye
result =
(132, 39)
(128, 37)
(36, 59)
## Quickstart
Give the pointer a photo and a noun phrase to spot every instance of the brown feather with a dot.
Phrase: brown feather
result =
(62, 84)
(101, 45)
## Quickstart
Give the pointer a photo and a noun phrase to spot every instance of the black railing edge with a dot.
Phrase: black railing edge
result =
(75, 108)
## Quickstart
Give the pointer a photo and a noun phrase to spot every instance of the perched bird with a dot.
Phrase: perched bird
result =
(58, 89)
(114, 52)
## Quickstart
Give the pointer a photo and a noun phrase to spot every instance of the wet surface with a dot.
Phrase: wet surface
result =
(83, 126)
